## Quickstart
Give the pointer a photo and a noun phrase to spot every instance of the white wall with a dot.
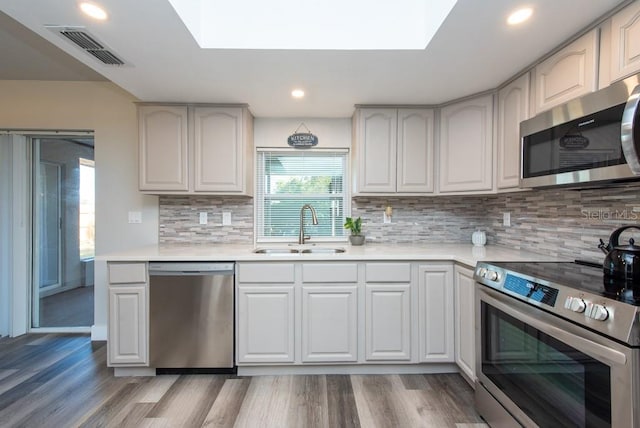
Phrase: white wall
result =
(110, 112)
(331, 133)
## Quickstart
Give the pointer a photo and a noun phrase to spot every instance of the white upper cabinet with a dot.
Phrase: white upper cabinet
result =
(466, 145)
(393, 151)
(163, 139)
(220, 149)
(415, 151)
(625, 42)
(376, 150)
(569, 73)
(513, 108)
(196, 150)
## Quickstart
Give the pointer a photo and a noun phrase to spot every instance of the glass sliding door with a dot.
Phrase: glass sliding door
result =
(63, 232)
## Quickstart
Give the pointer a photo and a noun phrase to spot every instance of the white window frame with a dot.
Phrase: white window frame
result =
(259, 198)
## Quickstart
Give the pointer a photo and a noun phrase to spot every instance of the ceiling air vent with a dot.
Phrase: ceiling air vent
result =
(88, 43)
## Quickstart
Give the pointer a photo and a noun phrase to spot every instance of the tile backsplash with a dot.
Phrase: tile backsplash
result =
(565, 223)
(179, 219)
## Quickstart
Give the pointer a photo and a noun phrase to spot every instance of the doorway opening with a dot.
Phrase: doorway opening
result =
(63, 230)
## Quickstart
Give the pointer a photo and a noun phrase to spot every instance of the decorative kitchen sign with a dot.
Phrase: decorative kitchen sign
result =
(302, 140)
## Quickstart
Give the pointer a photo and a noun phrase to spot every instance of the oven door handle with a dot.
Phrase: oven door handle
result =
(525, 314)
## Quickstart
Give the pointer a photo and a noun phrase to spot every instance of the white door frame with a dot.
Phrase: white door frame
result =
(15, 279)
(33, 307)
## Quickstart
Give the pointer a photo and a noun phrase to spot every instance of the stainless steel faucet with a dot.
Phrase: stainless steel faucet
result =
(314, 220)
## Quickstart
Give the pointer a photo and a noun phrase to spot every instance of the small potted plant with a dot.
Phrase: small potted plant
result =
(355, 226)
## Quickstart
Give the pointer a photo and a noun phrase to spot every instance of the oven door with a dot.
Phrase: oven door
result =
(545, 371)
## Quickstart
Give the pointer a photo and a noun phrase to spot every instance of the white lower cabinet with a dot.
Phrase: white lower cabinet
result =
(464, 297)
(387, 322)
(436, 315)
(329, 323)
(127, 308)
(344, 313)
(128, 338)
(265, 322)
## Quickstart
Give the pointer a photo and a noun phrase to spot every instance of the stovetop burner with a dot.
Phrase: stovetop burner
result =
(584, 276)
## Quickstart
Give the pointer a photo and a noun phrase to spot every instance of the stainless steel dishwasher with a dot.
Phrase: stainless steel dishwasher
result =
(191, 310)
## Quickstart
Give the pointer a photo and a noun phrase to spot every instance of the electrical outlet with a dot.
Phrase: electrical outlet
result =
(203, 218)
(226, 218)
(506, 219)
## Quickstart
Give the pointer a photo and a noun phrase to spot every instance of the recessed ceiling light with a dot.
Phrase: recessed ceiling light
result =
(93, 10)
(519, 16)
(297, 93)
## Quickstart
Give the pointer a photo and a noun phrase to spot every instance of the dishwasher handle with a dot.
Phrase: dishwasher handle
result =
(190, 268)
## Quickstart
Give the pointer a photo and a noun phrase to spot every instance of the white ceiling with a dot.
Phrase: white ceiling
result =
(472, 52)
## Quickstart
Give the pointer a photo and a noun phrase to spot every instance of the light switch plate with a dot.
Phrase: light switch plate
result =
(226, 218)
(135, 217)
(203, 218)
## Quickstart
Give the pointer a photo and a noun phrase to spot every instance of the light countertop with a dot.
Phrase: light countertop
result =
(462, 253)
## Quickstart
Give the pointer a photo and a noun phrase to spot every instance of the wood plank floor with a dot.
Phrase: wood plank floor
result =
(58, 380)
(72, 308)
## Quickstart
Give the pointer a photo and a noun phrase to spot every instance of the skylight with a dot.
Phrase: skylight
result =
(313, 24)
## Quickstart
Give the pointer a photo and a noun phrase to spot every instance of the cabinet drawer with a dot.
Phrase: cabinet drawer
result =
(127, 273)
(388, 272)
(329, 272)
(266, 273)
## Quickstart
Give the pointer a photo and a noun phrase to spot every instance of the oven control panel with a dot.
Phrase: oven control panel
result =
(531, 290)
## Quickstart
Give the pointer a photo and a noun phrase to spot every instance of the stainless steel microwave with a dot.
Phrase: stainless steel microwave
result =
(594, 139)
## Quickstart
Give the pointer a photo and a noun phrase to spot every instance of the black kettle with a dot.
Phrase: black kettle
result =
(622, 261)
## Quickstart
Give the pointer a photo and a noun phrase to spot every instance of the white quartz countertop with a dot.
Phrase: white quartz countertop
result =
(462, 253)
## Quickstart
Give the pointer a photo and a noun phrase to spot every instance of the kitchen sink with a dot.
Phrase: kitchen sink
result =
(298, 250)
(321, 250)
(276, 251)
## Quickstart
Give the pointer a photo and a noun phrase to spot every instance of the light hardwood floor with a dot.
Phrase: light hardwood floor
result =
(58, 380)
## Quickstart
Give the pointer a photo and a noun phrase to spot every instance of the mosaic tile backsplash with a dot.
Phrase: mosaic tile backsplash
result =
(179, 220)
(565, 223)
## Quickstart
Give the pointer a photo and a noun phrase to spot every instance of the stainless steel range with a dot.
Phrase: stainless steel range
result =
(557, 345)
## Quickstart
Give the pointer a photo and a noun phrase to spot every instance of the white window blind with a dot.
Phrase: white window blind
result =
(286, 180)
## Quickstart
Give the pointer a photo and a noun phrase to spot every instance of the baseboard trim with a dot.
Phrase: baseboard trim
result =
(133, 371)
(431, 368)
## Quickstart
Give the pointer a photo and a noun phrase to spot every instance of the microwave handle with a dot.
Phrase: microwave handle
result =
(629, 129)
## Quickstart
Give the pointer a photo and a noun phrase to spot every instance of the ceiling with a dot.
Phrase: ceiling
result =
(473, 51)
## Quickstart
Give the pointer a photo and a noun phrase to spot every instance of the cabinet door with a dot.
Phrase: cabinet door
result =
(466, 138)
(415, 151)
(128, 326)
(218, 149)
(329, 323)
(513, 108)
(265, 324)
(625, 42)
(376, 150)
(163, 141)
(569, 73)
(387, 322)
(436, 318)
(464, 297)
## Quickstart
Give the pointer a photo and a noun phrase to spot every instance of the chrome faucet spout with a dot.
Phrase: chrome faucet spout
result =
(314, 220)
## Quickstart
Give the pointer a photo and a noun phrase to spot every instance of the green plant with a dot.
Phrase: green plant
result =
(354, 225)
